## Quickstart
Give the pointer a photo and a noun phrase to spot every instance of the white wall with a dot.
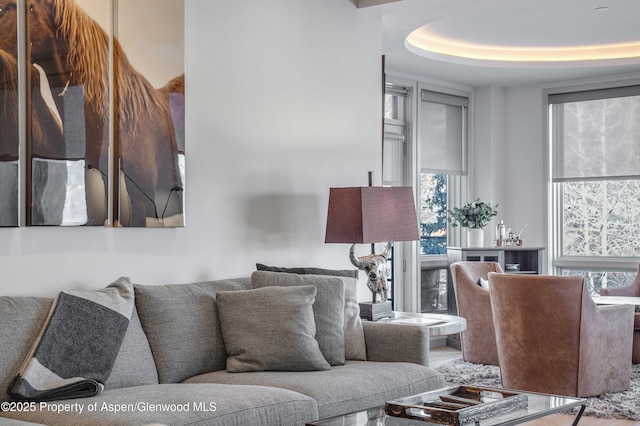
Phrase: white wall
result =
(487, 153)
(510, 147)
(509, 158)
(524, 183)
(283, 102)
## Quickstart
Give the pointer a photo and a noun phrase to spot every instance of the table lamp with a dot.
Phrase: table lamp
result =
(372, 214)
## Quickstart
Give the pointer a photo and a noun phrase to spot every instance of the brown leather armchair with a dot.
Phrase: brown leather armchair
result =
(479, 339)
(552, 338)
(634, 291)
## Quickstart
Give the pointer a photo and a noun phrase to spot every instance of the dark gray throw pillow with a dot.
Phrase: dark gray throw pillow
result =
(270, 328)
(354, 343)
(350, 273)
(328, 309)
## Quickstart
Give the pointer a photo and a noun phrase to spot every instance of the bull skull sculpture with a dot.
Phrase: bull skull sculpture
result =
(375, 265)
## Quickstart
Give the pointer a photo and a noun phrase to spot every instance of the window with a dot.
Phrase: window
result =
(425, 137)
(595, 174)
(442, 140)
(442, 124)
(394, 150)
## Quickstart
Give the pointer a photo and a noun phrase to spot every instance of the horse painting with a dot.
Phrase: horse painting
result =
(9, 134)
(73, 51)
(46, 137)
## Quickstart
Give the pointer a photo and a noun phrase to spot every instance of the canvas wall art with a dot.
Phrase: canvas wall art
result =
(105, 128)
(9, 124)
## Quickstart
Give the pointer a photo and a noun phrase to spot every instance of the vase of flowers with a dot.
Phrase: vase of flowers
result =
(474, 216)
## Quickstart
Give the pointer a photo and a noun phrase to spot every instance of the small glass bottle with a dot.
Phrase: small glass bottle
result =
(501, 233)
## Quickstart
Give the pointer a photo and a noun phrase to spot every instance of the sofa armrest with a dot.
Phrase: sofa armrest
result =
(388, 342)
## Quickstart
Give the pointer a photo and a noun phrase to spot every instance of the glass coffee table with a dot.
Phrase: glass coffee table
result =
(539, 405)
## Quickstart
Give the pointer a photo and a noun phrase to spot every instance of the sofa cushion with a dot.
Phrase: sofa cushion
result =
(354, 344)
(357, 385)
(21, 319)
(182, 404)
(328, 309)
(181, 323)
(134, 365)
(270, 328)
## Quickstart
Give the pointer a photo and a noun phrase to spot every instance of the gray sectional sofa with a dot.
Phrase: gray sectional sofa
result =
(231, 352)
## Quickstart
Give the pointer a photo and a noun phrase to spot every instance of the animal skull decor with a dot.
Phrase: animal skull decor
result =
(377, 271)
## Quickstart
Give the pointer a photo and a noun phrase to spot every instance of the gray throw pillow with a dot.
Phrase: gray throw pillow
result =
(306, 270)
(354, 343)
(270, 328)
(328, 309)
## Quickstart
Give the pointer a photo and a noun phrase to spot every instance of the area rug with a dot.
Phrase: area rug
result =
(618, 405)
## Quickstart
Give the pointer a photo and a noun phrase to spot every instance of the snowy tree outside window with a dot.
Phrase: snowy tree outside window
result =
(433, 213)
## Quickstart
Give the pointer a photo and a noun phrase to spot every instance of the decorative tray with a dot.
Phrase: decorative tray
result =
(456, 405)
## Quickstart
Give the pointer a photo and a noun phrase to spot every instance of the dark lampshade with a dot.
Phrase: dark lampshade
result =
(371, 214)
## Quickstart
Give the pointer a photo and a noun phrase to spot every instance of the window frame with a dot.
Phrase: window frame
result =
(457, 184)
(407, 294)
(558, 262)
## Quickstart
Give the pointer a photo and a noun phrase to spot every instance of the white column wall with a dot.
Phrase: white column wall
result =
(508, 159)
(487, 154)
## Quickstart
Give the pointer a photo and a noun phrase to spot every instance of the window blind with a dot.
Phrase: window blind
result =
(442, 132)
(596, 134)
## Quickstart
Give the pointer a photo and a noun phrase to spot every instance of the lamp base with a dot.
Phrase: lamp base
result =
(375, 311)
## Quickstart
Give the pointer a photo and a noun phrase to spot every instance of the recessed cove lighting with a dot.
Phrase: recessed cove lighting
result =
(429, 44)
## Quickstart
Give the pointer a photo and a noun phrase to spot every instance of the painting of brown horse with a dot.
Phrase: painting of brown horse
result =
(46, 136)
(9, 137)
(74, 53)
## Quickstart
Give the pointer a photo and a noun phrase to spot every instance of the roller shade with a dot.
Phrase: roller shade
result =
(442, 132)
(596, 134)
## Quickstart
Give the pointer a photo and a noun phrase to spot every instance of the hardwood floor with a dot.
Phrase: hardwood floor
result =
(442, 354)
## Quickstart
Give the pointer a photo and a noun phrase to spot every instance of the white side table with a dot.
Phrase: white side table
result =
(439, 324)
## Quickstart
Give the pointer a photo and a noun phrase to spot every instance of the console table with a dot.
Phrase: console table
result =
(529, 259)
